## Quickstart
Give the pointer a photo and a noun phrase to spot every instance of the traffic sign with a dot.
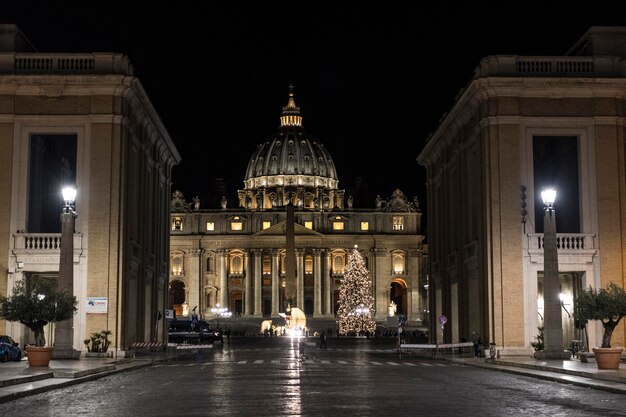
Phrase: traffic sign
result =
(443, 319)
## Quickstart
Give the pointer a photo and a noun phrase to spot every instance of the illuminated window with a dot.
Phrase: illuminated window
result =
(236, 226)
(267, 265)
(177, 224)
(398, 263)
(308, 265)
(308, 225)
(177, 266)
(266, 225)
(365, 225)
(236, 264)
(337, 225)
(338, 264)
(398, 222)
(210, 226)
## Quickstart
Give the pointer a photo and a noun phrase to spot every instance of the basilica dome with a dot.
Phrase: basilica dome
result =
(291, 165)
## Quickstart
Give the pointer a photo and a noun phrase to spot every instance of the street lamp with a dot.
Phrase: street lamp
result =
(220, 312)
(553, 327)
(64, 330)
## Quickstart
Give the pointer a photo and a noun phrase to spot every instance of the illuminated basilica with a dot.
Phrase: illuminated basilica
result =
(236, 257)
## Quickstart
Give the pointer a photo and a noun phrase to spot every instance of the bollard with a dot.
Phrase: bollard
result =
(492, 350)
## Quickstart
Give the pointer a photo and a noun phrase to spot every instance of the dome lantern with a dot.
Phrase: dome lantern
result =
(291, 113)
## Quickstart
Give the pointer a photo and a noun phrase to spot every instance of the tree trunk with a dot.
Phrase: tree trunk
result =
(608, 332)
(40, 338)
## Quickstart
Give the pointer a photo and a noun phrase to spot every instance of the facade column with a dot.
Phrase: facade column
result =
(195, 280)
(317, 282)
(414, 308)
(258, 280)
(300, 279)
(223, 271)
(275, 282)
(247, 303)
(328, 308)
(382, 288)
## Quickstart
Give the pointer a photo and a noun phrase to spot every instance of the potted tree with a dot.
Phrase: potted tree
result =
(608, 305)
(36, 302)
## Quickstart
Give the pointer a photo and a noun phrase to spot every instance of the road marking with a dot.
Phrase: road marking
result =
(242, 362)
(207, 363)
(393, 363)
(258, 361)
(409, 363)
(325, 361)
(342, 362)
(426, 364)
(275, 361)
(376, 363)
(190, 364)
(440, 364)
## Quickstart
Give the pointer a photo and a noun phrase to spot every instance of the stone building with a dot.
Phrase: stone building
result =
(235, 257)
(523, 123)
(85, 120)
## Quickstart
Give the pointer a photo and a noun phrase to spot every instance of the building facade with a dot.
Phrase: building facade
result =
(84, 120)
(236, 257)
(521, 124)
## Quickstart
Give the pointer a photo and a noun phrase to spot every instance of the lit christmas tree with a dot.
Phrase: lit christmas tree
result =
(356, 303)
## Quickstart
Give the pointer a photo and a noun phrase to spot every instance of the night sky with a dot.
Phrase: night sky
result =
(219, 75)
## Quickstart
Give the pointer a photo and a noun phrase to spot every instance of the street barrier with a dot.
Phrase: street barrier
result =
(443, 351)
(146, 349)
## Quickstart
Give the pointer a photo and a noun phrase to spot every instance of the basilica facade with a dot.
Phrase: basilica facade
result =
(236, 257)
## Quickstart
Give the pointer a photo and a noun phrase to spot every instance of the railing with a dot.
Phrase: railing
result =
(45, 63)
(42, 242)
(564, 241)
(443, 351)
(542, 66)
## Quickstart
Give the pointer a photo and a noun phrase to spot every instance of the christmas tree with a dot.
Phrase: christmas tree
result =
(356, 303)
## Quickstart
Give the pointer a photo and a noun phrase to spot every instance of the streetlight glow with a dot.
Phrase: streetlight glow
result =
(69, 195)
(548, 196)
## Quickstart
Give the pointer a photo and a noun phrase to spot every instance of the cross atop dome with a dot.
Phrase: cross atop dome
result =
(291, 112)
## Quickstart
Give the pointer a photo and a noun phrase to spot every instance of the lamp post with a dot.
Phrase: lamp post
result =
(64, 330)
(220, 312)
(553, 327)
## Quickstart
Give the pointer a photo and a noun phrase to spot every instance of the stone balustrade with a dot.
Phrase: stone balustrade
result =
(528, 66)
(44, 63)
(564, 241)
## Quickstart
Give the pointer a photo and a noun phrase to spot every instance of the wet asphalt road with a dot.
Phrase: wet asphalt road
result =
(354, 377)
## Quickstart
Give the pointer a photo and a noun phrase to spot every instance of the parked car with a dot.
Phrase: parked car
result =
(9, 349)
(193, 331)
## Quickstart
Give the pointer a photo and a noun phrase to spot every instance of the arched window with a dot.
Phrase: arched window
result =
(177, 266)
(267, 265)
(339, 264)
(236, 263)
(397, 260)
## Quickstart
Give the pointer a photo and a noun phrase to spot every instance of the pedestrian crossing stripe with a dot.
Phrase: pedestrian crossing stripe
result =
(393, 363)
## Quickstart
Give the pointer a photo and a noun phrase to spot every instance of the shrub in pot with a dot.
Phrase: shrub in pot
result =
(607, 305)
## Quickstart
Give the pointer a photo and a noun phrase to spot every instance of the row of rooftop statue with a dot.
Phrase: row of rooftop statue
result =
(397, 203)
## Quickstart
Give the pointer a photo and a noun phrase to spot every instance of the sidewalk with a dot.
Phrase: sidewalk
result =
(18, 380)
(568, 371)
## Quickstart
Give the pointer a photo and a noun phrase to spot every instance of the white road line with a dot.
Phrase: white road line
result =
(393, 363)
(440, 364)
(207, 363)
(342, 362)
(409, 363)
(242, 362)
(426, 364)
(258, 361)
(325, 361)
(376, 363)
(190, 364)
(275, 361)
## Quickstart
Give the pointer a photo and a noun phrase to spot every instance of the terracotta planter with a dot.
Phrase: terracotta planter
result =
(607, 358)
(39, 356)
